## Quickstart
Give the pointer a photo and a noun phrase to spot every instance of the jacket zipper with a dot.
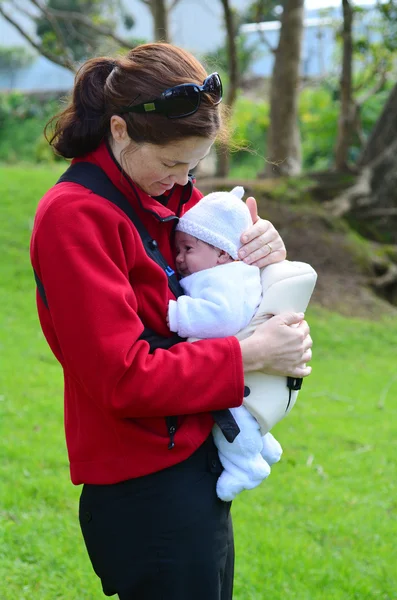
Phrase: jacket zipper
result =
(172, 423)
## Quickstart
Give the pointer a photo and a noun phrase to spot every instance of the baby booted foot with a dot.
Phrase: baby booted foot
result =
(271, 450)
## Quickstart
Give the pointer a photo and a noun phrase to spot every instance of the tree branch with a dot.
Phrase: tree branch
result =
(382, 212)
(63, 62)
(79, 36)
(261, 33)
(173, 4)
(343, 204)
(63, 47)
(387, 279)
(358, 126)
(374, 90)
(24, 11)
(266, 42)
(359, 103)
(80, 18)
(377, 70)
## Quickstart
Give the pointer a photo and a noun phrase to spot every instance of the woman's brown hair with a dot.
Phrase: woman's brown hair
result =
(104, 85)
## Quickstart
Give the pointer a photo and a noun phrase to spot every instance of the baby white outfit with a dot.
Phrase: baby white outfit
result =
(219, 301)
(222, 301)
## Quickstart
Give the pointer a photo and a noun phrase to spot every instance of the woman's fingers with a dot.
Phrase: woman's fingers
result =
(260, 229)
(283, 346)
(280, 346)
(270, 259)
(253, 208)
(262, 257)
(262, 245)
(308, 342)
(302, 371)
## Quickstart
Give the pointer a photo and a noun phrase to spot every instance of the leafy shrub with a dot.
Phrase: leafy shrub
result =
(249, 124)
(22, 120)
(43, 153)
(318, 115)
(318, 118)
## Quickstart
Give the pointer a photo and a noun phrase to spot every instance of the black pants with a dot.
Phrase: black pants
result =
(165, 536)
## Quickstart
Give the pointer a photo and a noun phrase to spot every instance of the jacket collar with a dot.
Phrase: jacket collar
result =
(179, 195)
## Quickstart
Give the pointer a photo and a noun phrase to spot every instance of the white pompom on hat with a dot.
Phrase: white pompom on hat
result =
(218, 219)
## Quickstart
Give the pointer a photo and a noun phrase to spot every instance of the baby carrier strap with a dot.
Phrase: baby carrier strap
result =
(95, 179)
(92, 177)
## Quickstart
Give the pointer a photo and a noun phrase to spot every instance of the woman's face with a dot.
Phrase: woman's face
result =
(156, 169)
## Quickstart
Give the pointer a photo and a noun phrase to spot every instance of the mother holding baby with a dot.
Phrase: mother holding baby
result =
(138, 406)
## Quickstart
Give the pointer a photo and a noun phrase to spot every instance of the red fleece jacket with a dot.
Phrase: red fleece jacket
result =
(101, 289)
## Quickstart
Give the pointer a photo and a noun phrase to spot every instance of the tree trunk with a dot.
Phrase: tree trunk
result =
(159, 11)
(346, 121)
(223, 148)
(284, 155)
(384, 132)
(371, 203)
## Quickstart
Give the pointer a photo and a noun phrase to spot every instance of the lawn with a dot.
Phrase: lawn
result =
(323, 526)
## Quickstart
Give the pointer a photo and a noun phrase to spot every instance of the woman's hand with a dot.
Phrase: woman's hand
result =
(262, 244)
(280, 346)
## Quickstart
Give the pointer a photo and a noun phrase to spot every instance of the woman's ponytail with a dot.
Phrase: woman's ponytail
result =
(80, 128)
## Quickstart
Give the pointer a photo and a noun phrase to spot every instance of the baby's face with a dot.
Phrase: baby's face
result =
(193, 255)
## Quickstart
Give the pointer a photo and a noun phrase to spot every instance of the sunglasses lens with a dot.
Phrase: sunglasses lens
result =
(181, 101)
(213, 86)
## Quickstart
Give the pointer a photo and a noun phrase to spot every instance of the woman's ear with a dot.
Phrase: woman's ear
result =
(118, 129)
(223, 257)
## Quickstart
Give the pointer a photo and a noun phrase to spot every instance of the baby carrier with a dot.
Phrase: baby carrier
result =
(286, 286)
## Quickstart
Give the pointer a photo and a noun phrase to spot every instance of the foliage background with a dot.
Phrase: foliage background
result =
(23, 117)
(22, 120)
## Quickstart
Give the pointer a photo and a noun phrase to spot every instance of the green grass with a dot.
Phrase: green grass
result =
(323, 526)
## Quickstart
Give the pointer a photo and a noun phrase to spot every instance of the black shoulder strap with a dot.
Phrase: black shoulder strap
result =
(41, 290)
(95, 179)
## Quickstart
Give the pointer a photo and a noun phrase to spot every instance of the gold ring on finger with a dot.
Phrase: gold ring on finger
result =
(270, 248)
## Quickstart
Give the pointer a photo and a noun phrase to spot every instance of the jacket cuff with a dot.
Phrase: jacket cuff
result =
(172, 315)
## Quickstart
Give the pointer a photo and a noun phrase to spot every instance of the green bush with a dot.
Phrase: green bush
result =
(22, 120)
(249, 124)
(318, 118)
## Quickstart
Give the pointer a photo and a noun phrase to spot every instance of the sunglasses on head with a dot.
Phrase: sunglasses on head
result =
(181, 100)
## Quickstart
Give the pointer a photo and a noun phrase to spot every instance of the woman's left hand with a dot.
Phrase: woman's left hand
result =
(262, 244)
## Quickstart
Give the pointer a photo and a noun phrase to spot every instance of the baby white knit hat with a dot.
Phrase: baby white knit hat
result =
(218, 219)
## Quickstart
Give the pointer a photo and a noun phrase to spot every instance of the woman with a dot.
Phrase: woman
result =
(138, 419)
